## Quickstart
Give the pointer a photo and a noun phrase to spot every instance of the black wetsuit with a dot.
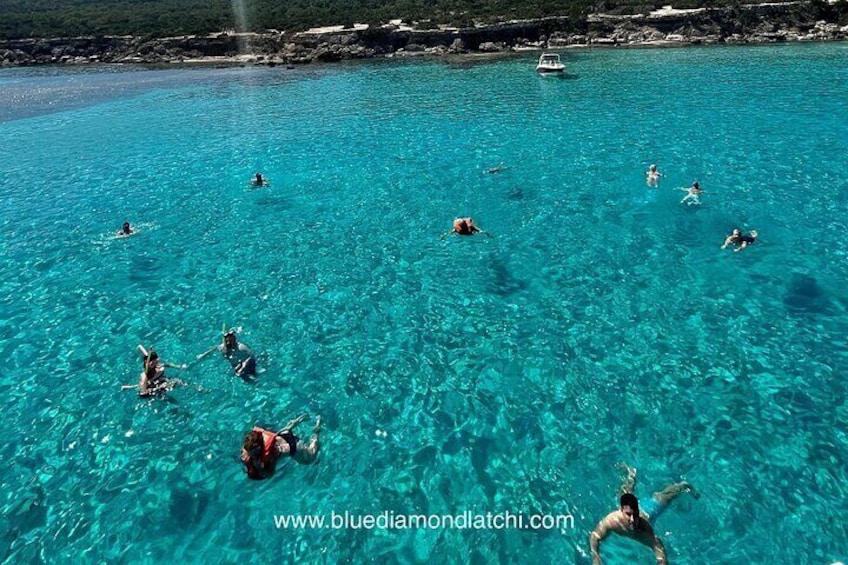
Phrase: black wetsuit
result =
(290, 439)
(241, 354)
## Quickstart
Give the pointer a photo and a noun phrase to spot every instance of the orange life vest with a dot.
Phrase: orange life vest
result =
(269, 446)
(458, 226)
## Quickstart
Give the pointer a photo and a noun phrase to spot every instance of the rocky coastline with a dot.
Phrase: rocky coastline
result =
(751, 24)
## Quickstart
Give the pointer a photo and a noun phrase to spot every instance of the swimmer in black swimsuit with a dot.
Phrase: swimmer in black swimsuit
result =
(496, 169)
(740, 241)
(258, 180)
(125, 230)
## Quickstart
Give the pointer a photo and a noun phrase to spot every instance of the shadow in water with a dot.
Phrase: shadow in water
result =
(503, 282)
(563, 76)
(515, 195)
(805, 295)
(188, 507)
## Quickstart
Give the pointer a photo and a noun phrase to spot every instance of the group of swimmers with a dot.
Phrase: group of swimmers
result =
(693, 197)
(630, 520)
(467, 226)
(261, 448)
(153, 380)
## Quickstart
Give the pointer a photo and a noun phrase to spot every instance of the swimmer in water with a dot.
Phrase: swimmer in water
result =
(652, 176)
(634, 522)
(464, 226)
(262, 448)
(496, 169)
(740, 241)
(125, 230)
(258, 180)
(238, 354)
(153, 380)
(693, 194)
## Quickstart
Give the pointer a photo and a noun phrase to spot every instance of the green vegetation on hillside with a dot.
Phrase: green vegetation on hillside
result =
(164, 18)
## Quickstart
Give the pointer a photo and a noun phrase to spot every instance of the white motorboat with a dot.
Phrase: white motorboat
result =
(549, 63)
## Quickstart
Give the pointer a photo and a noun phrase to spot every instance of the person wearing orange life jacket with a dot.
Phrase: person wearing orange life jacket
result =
(464, 226)
(263, 448)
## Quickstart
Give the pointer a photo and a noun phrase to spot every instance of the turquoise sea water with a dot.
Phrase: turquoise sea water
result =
(601, 323)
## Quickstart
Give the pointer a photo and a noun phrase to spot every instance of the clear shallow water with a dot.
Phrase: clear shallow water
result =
(602, 323)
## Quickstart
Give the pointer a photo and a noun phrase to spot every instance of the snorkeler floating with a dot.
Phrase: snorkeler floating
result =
(153, 380)
(263, 448)
(464, 226)
(740, 241)
(239, 355)
(635, 523)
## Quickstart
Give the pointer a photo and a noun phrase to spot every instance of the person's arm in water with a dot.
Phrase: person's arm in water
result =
(248, 362)
(143, 385)
(245, 367)
(647, 537)
(727, 242)
(601, 531)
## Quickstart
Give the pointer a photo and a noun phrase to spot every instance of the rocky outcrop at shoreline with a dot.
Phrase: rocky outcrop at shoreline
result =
(764, 23)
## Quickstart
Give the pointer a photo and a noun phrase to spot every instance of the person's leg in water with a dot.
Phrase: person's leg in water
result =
(628, 481)
(672, 491)
(659, 501)
(306, 454)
